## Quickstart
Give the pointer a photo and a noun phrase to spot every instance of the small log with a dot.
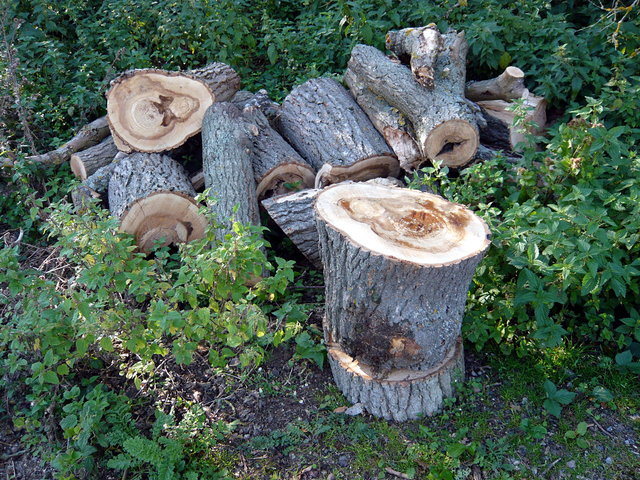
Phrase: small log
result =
(389, 121)
(326, 126)
(223, 80)
(294, 214)
(277, 167)
(155, 110)
(152, 196)
(509, 85)
(445, 125)
(397, 265)
(88, 136)
(401, 394)
(83, 164)
(419, 47)
(228, 172)
(96, 185)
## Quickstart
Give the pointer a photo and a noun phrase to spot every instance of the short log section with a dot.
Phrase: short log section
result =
(85, 163)
(156, 110)
(402, 394)
(327, 127)
(152, 196)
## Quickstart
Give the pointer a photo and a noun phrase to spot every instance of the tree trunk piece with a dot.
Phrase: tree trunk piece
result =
(152, 196)
(397, 265)
(419, 47)
(156, 110)
(84, 164)
(228, 172)
(509, 85)
(223, 80)
(389, 121)
(400, 395)
(88, 136)
(277, 167)
(326, 126)
(294, 214)
(444, 123)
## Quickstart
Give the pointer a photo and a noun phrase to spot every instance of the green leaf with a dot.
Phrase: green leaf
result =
(505, 60)
(51, 377)
(582, 427)
(63, 369)
(106, 344)
(272, 53)
(552, 407)
(564, 397)
(624, 358)
(82, 345)
(602, 394)
(549, 387)
(69, 421)
(455, 450)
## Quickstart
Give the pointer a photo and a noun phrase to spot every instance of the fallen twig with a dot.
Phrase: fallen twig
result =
(395, 473)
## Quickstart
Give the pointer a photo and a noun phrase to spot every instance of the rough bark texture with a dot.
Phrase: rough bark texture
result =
(326, 126)
(277, 167)
(444, 122)
(509, 85)
(382, 308)
(139, 175)
(156, 110)
(294, 214)
(223, 80)
(88, 136)
(228, 173)
(389, 121)
(419, 47)
(84, 164)
(495, 133)
(402, 394)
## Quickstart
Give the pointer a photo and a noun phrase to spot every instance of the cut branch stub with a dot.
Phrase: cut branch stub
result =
(156, 110)
(85, 163)
(152, 196)
(419, 47)
(509, 85)
(327, 127)
(397, 264)
(444, 123)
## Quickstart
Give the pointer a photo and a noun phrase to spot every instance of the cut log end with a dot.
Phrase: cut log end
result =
(386, 165)
(77, 167)
(163, 218)
(154, 111)
(397, 394)
(285, 178)
(454, 143)
(405, 224)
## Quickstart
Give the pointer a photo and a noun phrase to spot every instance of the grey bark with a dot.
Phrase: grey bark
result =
(275, 163)
(295, 215)
(93, 158)
(226, 162)
(390, 313)
(326, 126)
(400, 396)
(426, 109)
(389, 121)
(140, 174)
(223, 80)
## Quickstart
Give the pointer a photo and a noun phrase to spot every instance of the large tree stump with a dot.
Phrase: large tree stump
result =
(152, 196)
(228, 172)
(445, 125)
(327, 127)
(277, 167)
(156, 110)
(85, 163)
(295, 216)
(398, 264)
(401, 394)
(389, 121)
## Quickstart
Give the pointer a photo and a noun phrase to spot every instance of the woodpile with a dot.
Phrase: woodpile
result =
(324, 165)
